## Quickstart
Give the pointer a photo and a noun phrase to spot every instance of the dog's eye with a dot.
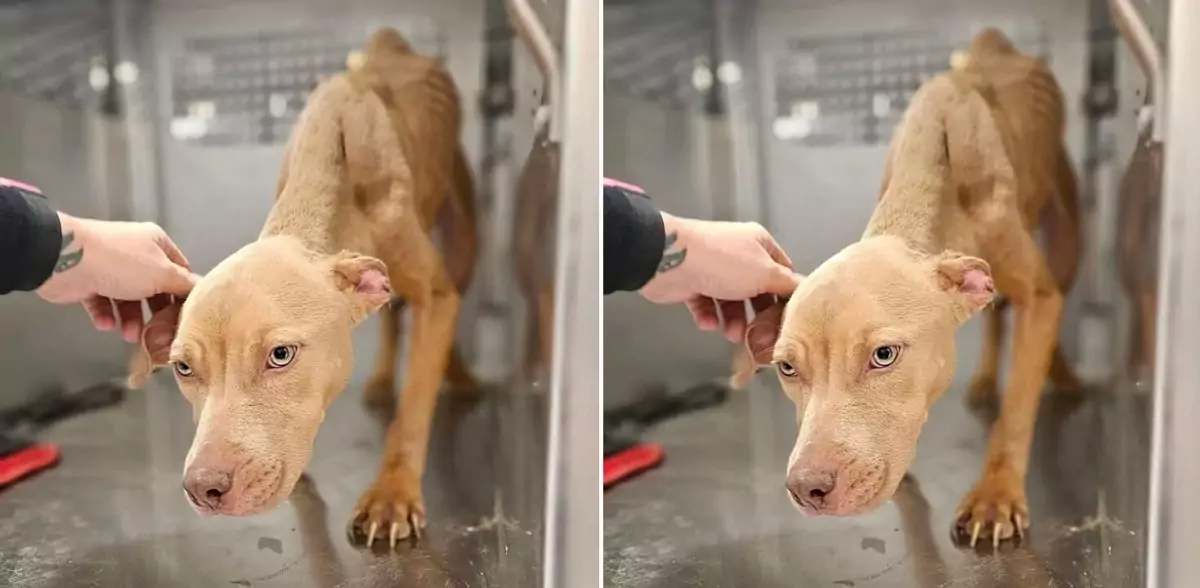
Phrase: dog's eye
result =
(281, 356)
(884, 356)
(182, 369)
(787, 369)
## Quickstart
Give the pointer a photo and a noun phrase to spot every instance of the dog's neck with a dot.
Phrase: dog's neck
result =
(910, 213)
(911, 204)
(307, 209)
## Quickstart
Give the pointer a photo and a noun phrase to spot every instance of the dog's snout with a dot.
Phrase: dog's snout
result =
(810, 488)
(205, 487)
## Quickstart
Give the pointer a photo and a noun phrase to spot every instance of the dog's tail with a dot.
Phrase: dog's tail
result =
(460, 237)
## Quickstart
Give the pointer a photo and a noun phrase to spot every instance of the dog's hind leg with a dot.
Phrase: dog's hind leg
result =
(985, 383)
(997, 507)
(381, 386)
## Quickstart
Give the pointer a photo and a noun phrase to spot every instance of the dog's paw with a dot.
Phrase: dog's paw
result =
(996, 509)
(380, 391)
(391, 509)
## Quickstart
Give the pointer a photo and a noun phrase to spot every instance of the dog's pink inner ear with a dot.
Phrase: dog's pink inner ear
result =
(372, 282)
(970, 277)
(367, 277)
(977, 283)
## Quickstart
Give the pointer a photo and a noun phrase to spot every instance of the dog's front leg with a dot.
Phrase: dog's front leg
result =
(997, 507)
(393, 506)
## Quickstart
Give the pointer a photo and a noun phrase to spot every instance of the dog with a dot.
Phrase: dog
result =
(1138, 234)
(262, 345)
(533, 258)
(866, 344)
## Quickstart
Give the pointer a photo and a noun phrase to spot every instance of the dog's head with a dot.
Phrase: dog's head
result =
(260, 349)
(863, 348)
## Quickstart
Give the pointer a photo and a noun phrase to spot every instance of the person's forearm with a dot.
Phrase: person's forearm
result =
(31, 237)
(633, 238)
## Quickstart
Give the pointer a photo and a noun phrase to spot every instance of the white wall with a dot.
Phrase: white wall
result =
(821, 198)
(682, 160)
(78, 159)
(216, 198)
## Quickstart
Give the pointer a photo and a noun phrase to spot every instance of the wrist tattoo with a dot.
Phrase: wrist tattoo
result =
(671, 259)
(68, 259)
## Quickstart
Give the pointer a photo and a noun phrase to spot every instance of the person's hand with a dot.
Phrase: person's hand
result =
(716, 267)
(111, 267)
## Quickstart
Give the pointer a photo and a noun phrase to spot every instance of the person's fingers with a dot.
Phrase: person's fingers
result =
(733, 312)
(159, 302)
(177, 280)
(781, 282)
(173, 252)
(775, 251)
(100, 310)
(131, 319)
(704, 312)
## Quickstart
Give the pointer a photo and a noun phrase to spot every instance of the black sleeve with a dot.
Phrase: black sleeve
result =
(633, 239)
(30, 239)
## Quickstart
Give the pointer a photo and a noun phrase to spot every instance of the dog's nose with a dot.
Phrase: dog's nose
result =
(205, 486)
(810, 488)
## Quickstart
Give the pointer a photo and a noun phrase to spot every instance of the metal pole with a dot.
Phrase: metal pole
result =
(1135, 32)
(491, 350)
(538, 41)
(573, 494)
(1093, 338)
(1174, 521)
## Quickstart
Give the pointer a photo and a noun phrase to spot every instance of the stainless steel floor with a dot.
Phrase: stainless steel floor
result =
(113, 515)
(715, 515)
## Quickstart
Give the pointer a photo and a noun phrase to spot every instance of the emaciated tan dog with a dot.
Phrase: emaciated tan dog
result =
(866, 344)
(262, 345)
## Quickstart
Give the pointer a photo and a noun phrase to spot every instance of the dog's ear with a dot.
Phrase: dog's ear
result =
(967, 280)
(155, 347)
(760, 344)
(364, 280)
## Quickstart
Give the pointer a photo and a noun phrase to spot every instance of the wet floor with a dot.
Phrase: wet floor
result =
(113, 514)
(715, 514)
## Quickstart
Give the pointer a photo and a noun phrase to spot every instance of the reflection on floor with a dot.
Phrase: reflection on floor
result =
(113, 514)
(715, 514)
